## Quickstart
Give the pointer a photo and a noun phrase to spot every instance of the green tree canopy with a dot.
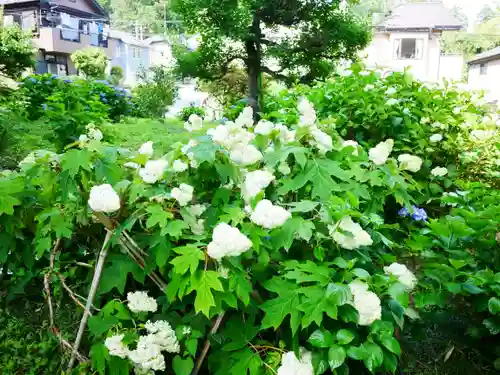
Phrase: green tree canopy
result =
(90, 61)
(16, 51)
(291, 41)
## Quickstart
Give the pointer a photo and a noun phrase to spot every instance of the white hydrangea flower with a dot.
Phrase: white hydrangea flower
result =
(185, 149)
(407, 111)
(403, 274)
(95, 133)
(356, 236)
(162, 334)
(368, 87)
(255, 182)
(322, 141)
(223, 272)
(366, 303)
(351, 144)
(34, 156)
(285, 135)
(284, 168)
(268, 215)
(436, 138)
(245, 155)
(439, 172)
(83, 138)
(245, 119)
(131, 165)
(148, 355)
(146, 149)
(391, 102)
(457, 110)
(264, 127)
(409, 162)
(153, 171)
(308, 114)
(482, 135)
(193, 123)
(199, 227)
(390, 91)
(186, 331)
(103, 198)
(179, 166)
(425, 120)
(141, 302)
(227, 241)
(379, 154)
(364, 73)
(291, 365)
(197, 209)
(116, 346)
(183, 194)
(230, 135)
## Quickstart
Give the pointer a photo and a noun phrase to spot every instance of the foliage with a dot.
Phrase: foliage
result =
(91, 61)
(116, 75)
(159, 90)
(315, 271)
(191, 110)
(287, 43)
(16, 51)
(67, 106)
(231, 87)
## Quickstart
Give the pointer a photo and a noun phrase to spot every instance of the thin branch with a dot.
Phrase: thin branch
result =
(274, 74)
(90, 298)
(225, 66)
(206, 347)
(74, 296)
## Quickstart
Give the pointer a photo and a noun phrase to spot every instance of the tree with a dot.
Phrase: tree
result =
(16, 51)
(92, 62)
(230, 88)
(294, 40)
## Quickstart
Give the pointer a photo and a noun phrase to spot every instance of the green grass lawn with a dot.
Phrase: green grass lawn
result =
(132, 132)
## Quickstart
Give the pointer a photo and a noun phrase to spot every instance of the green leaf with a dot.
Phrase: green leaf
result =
(233, 215)
(240, 284)
(191, 346)
(203, 282)
(188, 259)
(98, 355)
(115, 275)
(285, 304)
(357, 353)
(457, 264)
(74, 160)
(390, 362)
(471, 288)
(247, 361)
(336, 356)
(314, 304)
(174, 228)
(118, 366)
(375, 356)
(321, 339)
(293, 227)
(339, 294)
(240, 333)
(99, 324)
(182, 366)
(494, 305)
(307, 272)
(158, 216)
(204, 151)
(303, 206)
(391, 344)
(7, 204)
(344, 336)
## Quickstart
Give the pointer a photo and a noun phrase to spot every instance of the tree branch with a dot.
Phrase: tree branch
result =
(274, 74)
(225, 66)
(206, 347)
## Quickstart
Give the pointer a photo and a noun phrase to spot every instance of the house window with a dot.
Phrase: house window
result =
(57, 64)
(119, 50)
(408, 49)
(483, 69)
(136, 53)
(70, 28)
(25, 20)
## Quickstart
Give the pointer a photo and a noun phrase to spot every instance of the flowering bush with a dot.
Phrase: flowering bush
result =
(186, 112)
(282, 245)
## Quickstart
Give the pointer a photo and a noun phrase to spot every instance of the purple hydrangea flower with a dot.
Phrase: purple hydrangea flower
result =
(419, 214)
(403, 212)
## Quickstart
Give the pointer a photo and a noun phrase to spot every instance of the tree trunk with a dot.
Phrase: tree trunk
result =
(252, 47)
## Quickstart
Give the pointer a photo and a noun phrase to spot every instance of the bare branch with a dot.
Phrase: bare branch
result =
(206, 347)
(274, 74)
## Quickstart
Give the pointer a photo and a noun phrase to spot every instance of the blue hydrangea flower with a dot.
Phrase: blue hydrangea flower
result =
(419, 214)
(104, 100)
(233, 106)
(102, 95)
(68, 80)
(403, 212)
(53, 76)
(32, 79)
(44, 106)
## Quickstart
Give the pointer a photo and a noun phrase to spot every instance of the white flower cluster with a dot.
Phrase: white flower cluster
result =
(162, 334)
(194, 123)
(482, 135)
(365, 302)
(285, 135)
(439, 172)
(255, 182)
(103, 198)
(146, 149)
(351, 144)
(116, 346)
(409, 162)
(322, 141)
(268, 215)
(197, 210)
(183, 194)
(380, 153)
(153, 170)
(403, 274)
(391, 102)
(179, 166)
(436, 138)
(147, 356)
(141, 302)
(186, 151)
(34, 156)
(264, 127)
(92, 133)
(307, 113)
(227, 241)
(291, 365)
(355, 238)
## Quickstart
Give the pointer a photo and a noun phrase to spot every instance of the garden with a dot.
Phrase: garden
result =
(351, 225)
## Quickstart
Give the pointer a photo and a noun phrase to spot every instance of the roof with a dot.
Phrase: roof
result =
(95, 3)
(492, 54)
(419, 16)
(156, 39)
(126, 38)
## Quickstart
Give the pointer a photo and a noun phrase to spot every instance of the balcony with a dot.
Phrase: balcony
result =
(59, 41)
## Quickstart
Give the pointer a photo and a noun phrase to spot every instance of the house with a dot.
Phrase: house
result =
(59, 27)
(160, 51)
(409, 35)
(484, 73)
(131, 54)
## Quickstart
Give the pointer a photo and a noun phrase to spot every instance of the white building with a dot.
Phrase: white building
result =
(160, 51)
(409, 35)
(484, 73)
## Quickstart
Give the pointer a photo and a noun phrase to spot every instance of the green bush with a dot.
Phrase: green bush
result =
(186, 112)
(159, 90)
(116, 75)
(17, 53)
(91, 61)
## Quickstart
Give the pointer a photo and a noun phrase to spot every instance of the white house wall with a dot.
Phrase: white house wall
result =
(490, 81)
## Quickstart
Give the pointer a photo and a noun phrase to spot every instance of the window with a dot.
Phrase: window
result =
(57, 64)
(483, 69)
(136, 53)
(26, 20)
(408, 49)
(119, 50)
(70, 28)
